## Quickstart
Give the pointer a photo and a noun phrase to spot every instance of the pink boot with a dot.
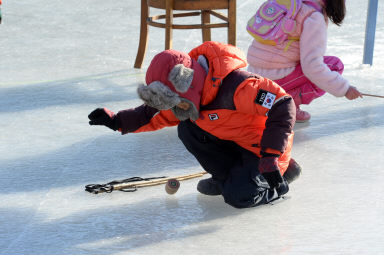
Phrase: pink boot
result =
(302, 116)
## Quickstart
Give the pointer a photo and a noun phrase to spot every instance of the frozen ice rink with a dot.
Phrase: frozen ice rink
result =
(61, 59)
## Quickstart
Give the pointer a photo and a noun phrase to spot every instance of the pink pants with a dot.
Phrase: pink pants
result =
(301, 88)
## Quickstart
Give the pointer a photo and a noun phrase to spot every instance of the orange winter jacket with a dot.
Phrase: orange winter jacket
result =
(235, 105)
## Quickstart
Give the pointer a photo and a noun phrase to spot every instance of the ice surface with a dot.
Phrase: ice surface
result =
(61, 59)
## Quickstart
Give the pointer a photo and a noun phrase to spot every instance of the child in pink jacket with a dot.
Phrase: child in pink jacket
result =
(299, 66)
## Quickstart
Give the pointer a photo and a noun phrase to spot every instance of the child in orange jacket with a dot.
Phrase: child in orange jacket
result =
(238, 125)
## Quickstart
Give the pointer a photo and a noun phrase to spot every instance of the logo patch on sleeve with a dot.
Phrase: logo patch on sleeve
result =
(265, 98)
(213, 116)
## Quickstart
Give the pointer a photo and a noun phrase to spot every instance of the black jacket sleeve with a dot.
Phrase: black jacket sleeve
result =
(133, 119)
(279, 125)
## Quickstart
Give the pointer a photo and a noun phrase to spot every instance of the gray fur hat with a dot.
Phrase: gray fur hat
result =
(174, 77)
(158, 96)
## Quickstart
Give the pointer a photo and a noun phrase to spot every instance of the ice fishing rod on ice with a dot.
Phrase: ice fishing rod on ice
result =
(131, 184)
(370, 95)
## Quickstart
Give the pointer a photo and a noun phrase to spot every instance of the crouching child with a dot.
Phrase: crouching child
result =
(238, 125)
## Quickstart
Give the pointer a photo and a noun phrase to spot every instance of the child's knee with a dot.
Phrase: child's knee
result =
(240, 197)
(234, 201)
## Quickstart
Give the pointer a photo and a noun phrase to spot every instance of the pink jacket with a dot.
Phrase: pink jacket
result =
(276, 62)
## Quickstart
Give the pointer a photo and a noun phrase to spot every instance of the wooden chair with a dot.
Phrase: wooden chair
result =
(203, 8)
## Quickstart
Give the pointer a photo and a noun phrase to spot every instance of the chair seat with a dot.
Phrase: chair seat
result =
(191, 4)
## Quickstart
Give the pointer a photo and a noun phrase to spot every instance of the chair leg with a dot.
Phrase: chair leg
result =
(143, 35)
(168, 24)
(206, 19)
(232, 22)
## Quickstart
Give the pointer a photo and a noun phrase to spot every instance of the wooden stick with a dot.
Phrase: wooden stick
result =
(370, 95)
(139, 184)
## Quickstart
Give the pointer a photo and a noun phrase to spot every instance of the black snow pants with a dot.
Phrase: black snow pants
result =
(235, 167)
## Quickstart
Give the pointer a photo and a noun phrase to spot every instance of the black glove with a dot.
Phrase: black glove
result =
(103, 116)
(269, 168)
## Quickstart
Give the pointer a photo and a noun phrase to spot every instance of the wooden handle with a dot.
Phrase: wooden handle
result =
(370, 95)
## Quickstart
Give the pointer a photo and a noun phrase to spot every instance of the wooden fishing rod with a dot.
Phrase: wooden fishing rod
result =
(370, 95)
(131, 184)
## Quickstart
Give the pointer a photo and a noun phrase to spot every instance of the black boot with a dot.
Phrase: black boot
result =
(210, 187)
(293, 171)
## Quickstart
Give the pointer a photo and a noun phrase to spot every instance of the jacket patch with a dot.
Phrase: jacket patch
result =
(213, 116)
(265, 98)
